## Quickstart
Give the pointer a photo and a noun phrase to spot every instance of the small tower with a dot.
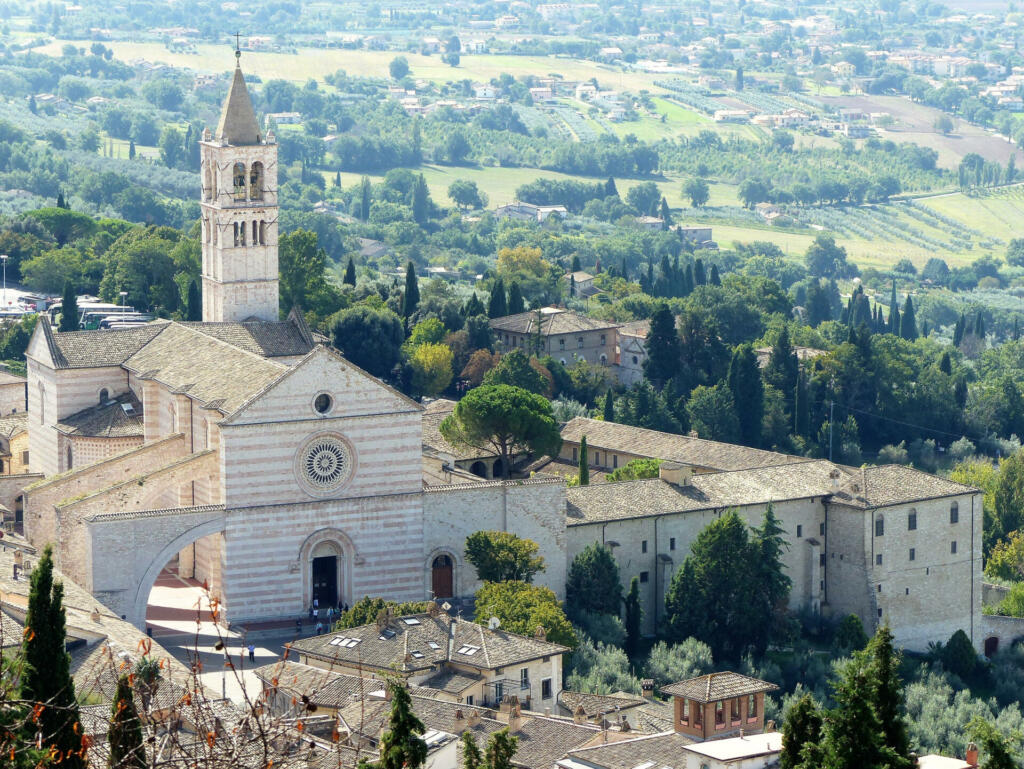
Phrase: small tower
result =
(239, 209)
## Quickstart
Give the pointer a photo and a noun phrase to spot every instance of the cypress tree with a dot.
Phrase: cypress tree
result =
(337, 179)
(958, 330)
(584, 463)
(609, 406)
(853, 734)
(473, 306)
(801, 412)
(1016, 328)
(60, 199)
(666, 215)
(700, 278)
(575, 263)
(623, 270)
(46, 677)
(193, 303)
(471, 758)
(420, 201)
(124, 735)
(748, 393)
(610, 190)
(664, 349)
(908, 325)
(498, 305)
(979, 326)
(689, 280)
(647, 283)
(500, 748)
(887, 694)
(515, 299)
(350, 273)
(131, 150)
(365, 198)
(801, 734)
(782, 365)
(401, 746)
(69, 309)
(634, 617)
(715, 279)
(946, 364)
(412, 291)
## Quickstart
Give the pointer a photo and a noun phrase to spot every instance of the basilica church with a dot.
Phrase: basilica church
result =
(247, 453)
(246, 449)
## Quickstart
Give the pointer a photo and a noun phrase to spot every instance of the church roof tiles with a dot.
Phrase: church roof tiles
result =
(106, 420)
(264, 338)
(95, 349)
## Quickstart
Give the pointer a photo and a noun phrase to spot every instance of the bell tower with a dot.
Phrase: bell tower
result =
(239, 213)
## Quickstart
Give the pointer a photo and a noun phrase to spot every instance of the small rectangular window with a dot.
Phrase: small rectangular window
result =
(878, 588)
(24, 457)
(799, 531)
(879, 527)
(545, 689)
(644, 576)
(912, 554)
(672, 543)
(954, 513)
(561, 344)
(615, 460)
(912, 521)
(469, 699)
(879, 613)
(821, 560)
(575, 455)
(643, 546)
(952, 547)
(878, 560)
(524, 678)
(907, 591)
(821, 529)
(602, 340)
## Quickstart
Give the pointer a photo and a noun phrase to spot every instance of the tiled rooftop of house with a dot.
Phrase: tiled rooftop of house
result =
(695, 452)
(421, 641)
(553, 322)
(718, 686)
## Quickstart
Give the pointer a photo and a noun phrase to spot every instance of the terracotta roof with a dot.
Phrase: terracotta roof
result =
(408, 644)
(658, 751)
(12, 424)
(238, 124)
(433, 416)
(697, 452)
(541, 740)
(883, 485)
(451, 681)
(718, 686)
(553, 322)
(598, 704)
(106, 420)
(653, 496)
(215, 373)
(93, 349)
(323, 687)
(268, 339)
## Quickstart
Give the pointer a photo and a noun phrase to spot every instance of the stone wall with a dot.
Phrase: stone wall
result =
(12, 487)
(931, 595)
(42, 498)
(653, 549)
(533, 509)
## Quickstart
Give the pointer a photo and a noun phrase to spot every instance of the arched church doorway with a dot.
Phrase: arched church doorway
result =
(442, 577)
(325, 573)
(991, 646)
(478, 468)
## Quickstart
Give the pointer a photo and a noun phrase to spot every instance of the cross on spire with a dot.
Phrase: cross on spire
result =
(238, 45)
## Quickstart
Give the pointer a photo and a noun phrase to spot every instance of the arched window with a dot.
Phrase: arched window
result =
(104, 395)
(880, 526)
(42, 404)
(256, 181)
(954, 512)
(604, 359)
(208, 192)
(255, 232)
(263, 233)
(239, 181)
(69, 458)
(236, 233)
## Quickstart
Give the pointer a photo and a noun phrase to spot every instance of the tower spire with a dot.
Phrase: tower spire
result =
(238, 125)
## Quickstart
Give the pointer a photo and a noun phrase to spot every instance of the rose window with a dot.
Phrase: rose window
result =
(325, 463)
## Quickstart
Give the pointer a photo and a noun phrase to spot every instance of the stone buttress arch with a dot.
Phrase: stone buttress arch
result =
(176, 545)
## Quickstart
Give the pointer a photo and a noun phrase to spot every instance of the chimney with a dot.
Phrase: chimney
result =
(675, 473)
(515, 718)
(460, 721)
(647, 688)
(972, 754)
(473, 719)
(624, 725)
(540, 634)
(579, 715)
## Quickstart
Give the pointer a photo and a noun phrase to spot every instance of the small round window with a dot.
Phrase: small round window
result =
(323, 403)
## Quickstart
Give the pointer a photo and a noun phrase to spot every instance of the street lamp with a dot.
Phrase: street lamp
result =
(3, 258)
(124, 301)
